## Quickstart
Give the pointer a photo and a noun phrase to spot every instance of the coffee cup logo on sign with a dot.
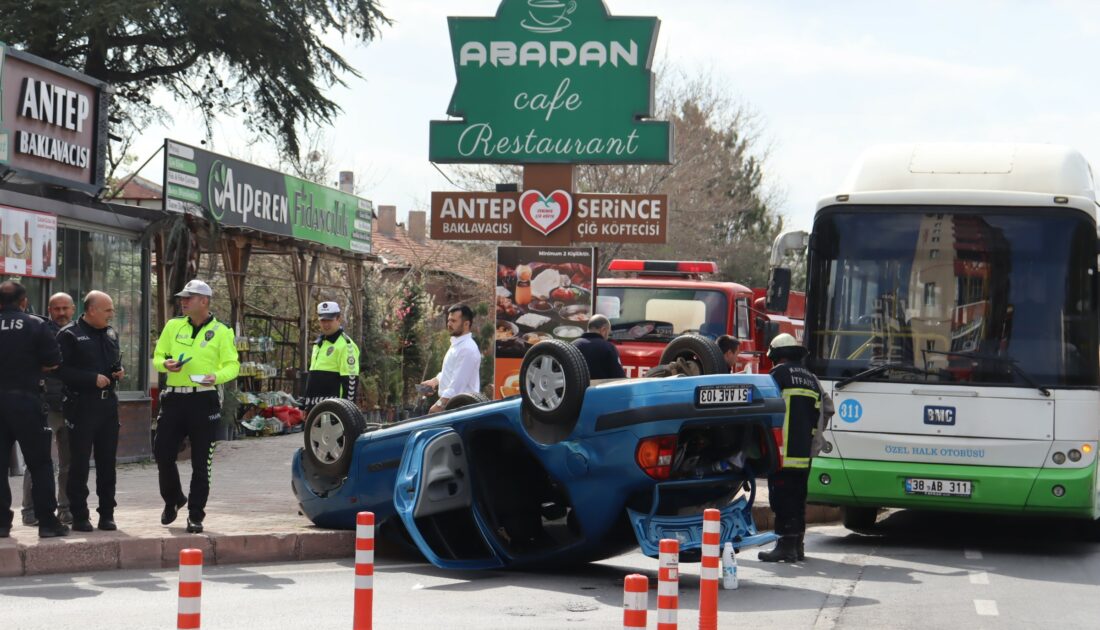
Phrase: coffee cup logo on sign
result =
(548, 16)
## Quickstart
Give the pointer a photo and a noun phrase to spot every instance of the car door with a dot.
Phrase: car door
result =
(434, 497)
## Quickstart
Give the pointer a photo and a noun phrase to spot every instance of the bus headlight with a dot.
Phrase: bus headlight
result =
(1074, 455)
(1059, 458)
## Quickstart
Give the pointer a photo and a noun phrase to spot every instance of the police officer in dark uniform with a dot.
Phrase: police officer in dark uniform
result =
(29, 350)
(91, 368)
(787, 486)
(334, 366)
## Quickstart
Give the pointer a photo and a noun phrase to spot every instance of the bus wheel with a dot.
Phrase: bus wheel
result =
(860, 519)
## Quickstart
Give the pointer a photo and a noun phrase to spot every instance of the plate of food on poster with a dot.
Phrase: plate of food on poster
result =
(544, 294)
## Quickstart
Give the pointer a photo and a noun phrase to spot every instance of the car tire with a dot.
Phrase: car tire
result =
(330, 433)
(463, 400)
(552, 382)
(859, 518)
(697, 349)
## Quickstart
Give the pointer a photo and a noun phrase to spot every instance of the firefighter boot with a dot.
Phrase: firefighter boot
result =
(786, 550)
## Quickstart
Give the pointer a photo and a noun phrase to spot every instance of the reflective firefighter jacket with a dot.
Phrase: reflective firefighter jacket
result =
(802, 393)
(334, 368)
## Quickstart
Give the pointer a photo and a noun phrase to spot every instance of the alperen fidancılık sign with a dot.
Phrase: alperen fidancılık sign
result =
(552, 81)
(53, 122)
(243, 195)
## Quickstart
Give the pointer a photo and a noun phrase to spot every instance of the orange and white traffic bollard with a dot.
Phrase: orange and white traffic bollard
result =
(635, 601)
(668, 584)
(364, 571)
(708, 572)
(190, 590)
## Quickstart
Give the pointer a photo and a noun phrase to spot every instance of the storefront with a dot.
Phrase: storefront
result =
(53, 135)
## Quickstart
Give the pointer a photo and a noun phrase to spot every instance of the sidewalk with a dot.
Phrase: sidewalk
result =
(251, 516)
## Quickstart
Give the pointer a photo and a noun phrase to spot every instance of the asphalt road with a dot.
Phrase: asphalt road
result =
(923, 571)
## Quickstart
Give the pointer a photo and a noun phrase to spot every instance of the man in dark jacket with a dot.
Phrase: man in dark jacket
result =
(787, 486)
(62, 309)
(29, 351)
(91, 367)
(600, 354)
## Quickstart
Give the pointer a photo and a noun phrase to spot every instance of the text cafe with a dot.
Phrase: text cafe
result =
(57, 234)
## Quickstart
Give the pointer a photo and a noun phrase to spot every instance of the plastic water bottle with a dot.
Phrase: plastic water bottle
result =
(729, 567)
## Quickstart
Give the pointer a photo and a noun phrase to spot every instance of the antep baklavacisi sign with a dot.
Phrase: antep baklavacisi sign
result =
(53, 122)
(239, 194)
(552, 81)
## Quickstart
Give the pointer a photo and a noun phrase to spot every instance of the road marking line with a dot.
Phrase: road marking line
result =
(840, 592)
(972, 554)
(986, 607)
(979, 577)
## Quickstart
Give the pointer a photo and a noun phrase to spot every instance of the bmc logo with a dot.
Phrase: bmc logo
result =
(939, 415)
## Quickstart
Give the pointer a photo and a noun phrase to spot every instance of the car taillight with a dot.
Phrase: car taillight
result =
(654, 456)
(778, 435)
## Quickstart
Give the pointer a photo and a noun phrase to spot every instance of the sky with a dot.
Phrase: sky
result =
(825, 80)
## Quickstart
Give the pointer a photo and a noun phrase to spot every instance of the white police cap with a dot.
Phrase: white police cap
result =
(328, 310)
(196, 287)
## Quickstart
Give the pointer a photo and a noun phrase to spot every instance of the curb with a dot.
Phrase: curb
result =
(76, 556)
(764, 518)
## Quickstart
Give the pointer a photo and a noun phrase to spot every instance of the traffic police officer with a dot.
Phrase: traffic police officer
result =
(198, 353)
(29, 350)
(334, 368)
(787, 486)
(91, 368)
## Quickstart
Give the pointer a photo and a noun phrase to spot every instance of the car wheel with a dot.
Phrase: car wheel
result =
(552, 381)
(696, 349)
(859, 519)
(330, 433)
(462, 400)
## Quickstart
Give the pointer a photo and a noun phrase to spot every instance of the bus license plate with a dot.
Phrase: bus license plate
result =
(717, 395)
(938, 487)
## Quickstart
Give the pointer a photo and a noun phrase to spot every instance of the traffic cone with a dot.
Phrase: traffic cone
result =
(668, 584)
(635, 601)
(364, 571)
(190, 590)
(708, 571)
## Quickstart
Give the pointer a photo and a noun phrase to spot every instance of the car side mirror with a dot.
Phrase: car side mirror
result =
(767, 331)
(779, 290)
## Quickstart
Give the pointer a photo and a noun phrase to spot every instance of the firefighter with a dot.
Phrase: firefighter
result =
(334, 368)
(787, 486)
(198, 353)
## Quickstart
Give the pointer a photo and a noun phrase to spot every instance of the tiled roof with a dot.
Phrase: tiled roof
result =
(139, 188)
(400, 251)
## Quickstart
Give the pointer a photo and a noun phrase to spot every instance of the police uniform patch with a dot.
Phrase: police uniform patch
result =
(330, 350)
(209, 335)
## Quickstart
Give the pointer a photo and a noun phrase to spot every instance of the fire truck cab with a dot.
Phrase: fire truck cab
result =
(656, 300)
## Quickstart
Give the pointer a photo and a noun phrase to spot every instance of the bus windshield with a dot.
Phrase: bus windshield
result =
(993, 296)
(653, 314)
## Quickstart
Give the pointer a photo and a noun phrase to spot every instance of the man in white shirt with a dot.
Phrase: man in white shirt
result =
(462, 364)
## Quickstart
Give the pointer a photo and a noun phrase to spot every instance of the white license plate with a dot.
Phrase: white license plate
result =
(724, 395)
(938, 487)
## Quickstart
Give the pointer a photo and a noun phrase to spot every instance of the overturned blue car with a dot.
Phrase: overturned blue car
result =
(567, 471)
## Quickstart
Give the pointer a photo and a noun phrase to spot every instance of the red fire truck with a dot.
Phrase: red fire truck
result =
(654, 301)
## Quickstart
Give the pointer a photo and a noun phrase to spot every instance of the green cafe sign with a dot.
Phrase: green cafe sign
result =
(242, 195)
(552, 81)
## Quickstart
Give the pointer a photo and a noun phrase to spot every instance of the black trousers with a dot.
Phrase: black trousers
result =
(23, 420)
(193, 416)
(787, 497)
(93, 430)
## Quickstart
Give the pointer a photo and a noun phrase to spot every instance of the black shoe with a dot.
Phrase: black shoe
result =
(5, 532)
(194, 526)
(82, 525)
(53, 531)
(801, 548)
(64, 515)
(30, 520)
(786, 550)
(170, 512)
(107, 524)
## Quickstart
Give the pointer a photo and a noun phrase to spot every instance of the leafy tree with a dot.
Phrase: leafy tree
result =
(264, 60)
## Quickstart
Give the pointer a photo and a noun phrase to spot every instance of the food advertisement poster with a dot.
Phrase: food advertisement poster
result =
(541, 293)
(28, 243)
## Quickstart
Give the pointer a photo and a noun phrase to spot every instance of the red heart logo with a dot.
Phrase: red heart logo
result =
(546, 213)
